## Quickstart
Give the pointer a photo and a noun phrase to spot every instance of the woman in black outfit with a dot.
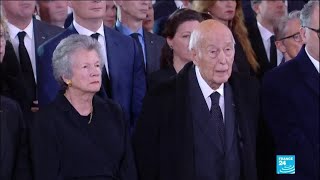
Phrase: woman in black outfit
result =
(175, 53)
(79, 135)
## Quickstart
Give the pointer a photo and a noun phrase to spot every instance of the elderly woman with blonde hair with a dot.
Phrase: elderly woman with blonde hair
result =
(79, 135)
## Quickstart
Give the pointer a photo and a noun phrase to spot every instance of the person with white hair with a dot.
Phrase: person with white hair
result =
(290, 101)
(80, 135)
(202, 123)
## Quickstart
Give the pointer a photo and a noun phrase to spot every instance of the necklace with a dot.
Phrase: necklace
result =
(91, 113)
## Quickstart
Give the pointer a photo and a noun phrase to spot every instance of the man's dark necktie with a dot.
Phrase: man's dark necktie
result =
(217, 116)
(26, 68)
(105, 77)
(135, 36)
(273, 52)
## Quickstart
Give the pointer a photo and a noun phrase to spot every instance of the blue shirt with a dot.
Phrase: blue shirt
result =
(126, 31)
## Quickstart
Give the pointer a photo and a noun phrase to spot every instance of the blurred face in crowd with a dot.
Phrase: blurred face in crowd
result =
(180, 42)
(53, 11)
(85, 10)
(21, 10)
(214, 53)
(223, 10)
(136, 9)
(86, 71)
(2, 43)
(149, 21)
(270, 11)
(110, 15)
(311, 37)
(291, 43)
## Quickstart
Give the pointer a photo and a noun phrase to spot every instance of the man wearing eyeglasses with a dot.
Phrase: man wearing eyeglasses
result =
(288, 38)
(290, 100)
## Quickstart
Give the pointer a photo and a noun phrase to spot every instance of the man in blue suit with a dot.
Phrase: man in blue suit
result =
(290, 96)
(123, 76)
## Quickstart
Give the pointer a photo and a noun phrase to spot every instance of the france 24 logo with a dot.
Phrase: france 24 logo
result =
(286, 164)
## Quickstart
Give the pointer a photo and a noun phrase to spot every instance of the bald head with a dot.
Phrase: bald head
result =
(212, 46)
(209, 29)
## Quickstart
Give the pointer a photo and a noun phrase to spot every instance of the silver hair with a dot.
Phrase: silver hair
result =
(62, 61)
(196, 38)
(307, 11)
(281, 29)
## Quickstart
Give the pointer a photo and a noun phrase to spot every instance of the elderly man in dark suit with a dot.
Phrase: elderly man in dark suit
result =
(202, 123)
(131, 16)
(27, 34)
(123, 75)
(290, 99)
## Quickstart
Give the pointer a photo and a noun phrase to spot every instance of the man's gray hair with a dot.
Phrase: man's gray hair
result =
(196, 38)
(62, 61)
(307, 11)
(281, 29)
(253, 2)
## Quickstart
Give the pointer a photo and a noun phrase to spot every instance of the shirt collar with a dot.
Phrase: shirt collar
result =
(205, 88)
(126, 30)
(13, 30)
(313, 60)
(180, 4)
(265, 33)
(84, 31)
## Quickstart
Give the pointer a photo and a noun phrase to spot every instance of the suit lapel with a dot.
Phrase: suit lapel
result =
(309, 73)
(112, 50)
(200, 112)
(40, 35)
(149, 46)
(229, 116)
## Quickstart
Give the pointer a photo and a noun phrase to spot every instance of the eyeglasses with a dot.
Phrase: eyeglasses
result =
(296, 37)
(315, 30)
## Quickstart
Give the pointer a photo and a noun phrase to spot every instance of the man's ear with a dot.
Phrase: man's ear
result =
(280, 46)
(195, 56)
(303, 34)
(256, 7)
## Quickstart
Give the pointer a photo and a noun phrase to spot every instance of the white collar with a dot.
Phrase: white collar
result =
(180, 4)
(205, 88)
(84, 31)
(313, 60)
(13, 30)
(265, 33)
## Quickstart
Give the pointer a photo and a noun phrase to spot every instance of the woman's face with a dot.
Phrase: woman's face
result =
(86, 71)
(2, 43)
(180, 42)
(223, 10)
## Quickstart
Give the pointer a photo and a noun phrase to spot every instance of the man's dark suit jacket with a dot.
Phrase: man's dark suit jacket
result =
(258, 47)
(65, 146)
(153, 47)
(164, 140)
(126, 71)
(164, 8)
(290, 99)
(42, 32)
(14, 160)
